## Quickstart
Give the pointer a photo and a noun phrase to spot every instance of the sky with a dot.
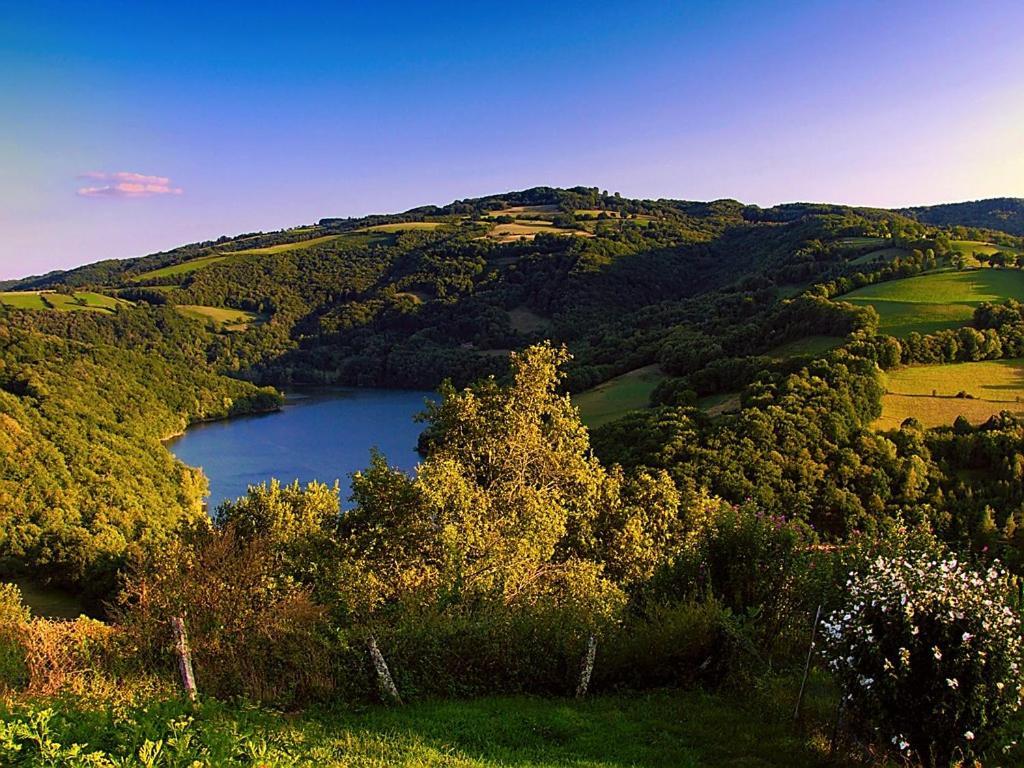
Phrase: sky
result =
(128, 128)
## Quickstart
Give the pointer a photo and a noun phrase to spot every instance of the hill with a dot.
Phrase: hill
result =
(1002, 214)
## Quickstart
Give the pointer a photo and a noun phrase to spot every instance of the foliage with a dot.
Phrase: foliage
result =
(928, 652)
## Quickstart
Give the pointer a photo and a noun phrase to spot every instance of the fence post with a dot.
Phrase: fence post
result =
(807, 665)
(588, 667)
(188, 679)
(387, 683)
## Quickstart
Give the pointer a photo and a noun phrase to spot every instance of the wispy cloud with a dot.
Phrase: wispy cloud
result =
(125, 184)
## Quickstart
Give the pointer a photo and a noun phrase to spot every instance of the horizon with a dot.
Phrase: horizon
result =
(211, 238)
(119, 144)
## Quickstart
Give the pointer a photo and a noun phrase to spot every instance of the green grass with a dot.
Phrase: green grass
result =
(616, 397)
(938, 300)
(927, 392)
(977, 246)
(181, 269)
(81, 301)
(227, 318)
(23, 300)
(808, 346)
(719, 403)
(862, 242)
(284, 247)
(882, 254)
(667, 729)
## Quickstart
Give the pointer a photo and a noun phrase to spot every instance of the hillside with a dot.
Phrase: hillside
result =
(1001, 214)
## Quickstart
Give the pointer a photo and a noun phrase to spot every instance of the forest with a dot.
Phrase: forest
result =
(691, 545)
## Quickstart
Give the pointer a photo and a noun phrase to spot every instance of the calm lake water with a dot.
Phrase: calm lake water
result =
(320, 435)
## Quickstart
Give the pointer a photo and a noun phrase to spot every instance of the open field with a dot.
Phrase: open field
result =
(881, 255)
(616, 397)
(403, 226)
(928, 392)
(807, 346)
(863, 242)
(81, 301)
(227, 318)
(938, 300)
(976, 246)
(181, 269)
(284, 247)
(720, 403)
(525, 321)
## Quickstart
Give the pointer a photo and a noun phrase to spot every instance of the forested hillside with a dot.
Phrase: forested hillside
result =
(721, 305)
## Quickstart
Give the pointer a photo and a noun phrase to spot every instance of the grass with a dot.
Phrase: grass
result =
(862, 242)
(936, 301)
(616, 397)
(181, 269)
(284, 247)
(977, 246)
(882, 254)
(664, 729)
(808, 346)
(404, 226)
(228, 319)
(83, 301)
(525, 321)
(202, 262)
(927, 392)
(719, 403)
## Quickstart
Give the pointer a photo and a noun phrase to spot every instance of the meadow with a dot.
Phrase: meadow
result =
(226, 318)
(928, 392)
(938, 300)
(616, 397)
(81, 301)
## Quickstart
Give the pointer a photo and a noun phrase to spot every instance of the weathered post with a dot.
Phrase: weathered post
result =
(807, 665)
(188, 679)
(588, 667)
(387, 683)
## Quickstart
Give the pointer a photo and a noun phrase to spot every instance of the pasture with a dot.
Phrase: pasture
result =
(81, 301)
(928, 392)
(405, 226)
(938, 300)
(225, 318)
(809, 346)
(616, 397)
(184, 268)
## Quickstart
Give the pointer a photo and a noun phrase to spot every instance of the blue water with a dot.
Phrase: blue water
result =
(324, 434)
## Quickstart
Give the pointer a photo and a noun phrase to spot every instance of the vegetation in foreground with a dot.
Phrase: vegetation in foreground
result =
(666, 729)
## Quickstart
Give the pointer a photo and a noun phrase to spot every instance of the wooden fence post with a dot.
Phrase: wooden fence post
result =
(807, 665)
(588, 667)
(387, 683)
(188, 679)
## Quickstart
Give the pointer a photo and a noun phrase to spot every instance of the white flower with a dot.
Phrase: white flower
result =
(952, 683)
(969, 735)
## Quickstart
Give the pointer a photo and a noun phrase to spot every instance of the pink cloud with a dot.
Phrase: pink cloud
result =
(126, 184)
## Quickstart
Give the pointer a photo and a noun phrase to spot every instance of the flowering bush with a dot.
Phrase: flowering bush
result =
(928, 654)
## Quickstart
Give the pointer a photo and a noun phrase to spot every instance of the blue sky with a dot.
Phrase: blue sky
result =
(127, 128)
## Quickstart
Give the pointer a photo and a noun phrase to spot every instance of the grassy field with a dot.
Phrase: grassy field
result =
(927, 392)
(976, 246)
(882, 254)
(665, 729)
(181, 269)
(935, 301)
(719, 403)
(284, 247)
(805, 347)
(404, 226)
(227, 318)
(616, 397)
(81, 301)
(862, 242)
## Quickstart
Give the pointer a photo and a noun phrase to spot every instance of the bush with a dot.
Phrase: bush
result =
(14, 615)
(928, 655)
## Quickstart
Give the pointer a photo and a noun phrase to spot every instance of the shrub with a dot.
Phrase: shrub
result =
(928, 655)
(14, 615)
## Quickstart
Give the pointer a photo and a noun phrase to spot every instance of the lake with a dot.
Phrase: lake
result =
(321, 434)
